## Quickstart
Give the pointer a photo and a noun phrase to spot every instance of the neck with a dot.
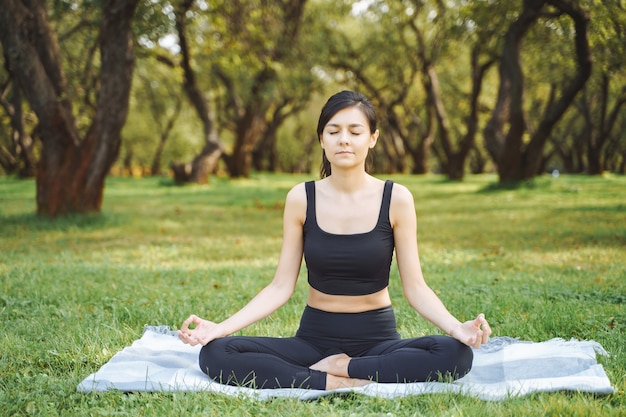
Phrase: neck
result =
(348, 181)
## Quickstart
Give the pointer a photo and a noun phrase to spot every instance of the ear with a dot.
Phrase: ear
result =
(321, 141)
(374, 138)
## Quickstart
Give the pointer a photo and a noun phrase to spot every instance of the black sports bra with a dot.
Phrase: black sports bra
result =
(348, 264)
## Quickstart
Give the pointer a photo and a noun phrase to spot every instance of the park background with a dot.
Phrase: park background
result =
(146, 148)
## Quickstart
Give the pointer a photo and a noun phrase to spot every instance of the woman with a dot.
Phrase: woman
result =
(347, 226)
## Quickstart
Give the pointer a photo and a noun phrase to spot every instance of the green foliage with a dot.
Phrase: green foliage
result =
(542, 260)
(77, 25)
(242, 39)
(158, 100)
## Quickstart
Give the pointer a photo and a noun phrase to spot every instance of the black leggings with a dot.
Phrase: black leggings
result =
(370, 339)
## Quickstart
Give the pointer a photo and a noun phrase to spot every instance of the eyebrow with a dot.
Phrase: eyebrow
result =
(350, 125)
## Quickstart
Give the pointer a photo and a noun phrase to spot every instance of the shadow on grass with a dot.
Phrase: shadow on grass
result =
(34, 222)
(531, 184)
(618, 208)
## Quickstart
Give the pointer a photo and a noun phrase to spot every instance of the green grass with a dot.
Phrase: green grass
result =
(543, 260)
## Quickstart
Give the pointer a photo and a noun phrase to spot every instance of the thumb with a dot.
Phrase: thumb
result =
(479, 320)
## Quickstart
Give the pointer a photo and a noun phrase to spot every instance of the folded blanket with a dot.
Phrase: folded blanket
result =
(503, 368)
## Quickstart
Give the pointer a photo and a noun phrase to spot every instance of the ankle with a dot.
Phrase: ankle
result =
(341, 366)
(336, 382)
(335, 364)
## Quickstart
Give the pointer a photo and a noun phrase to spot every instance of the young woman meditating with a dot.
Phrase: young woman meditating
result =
(347, 226)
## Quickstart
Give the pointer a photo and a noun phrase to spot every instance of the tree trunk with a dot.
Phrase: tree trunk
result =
(155, 168)
(250, 128)
(456, 159)
(265, 154)
(505, 147)
(478, 161)
(203, 164)
(435, 101)
(514, 160)
(71, 171)
(600, 131)
(594, 158)
(20, 158)
(403, 140)
(533, 152)
(421, 156)
(396, 141)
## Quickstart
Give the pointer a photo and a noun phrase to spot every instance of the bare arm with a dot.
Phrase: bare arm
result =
(421, 297)
(274, 295)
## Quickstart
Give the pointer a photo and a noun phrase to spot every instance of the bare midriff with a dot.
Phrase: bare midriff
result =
(348, 303)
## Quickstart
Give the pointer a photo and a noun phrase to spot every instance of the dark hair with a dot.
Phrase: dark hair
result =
(339, 101)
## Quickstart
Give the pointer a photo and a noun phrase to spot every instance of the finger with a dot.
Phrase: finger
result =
(477, 339)
(486, 331)
(470, 339)
(191, 339)
(186, 323)
(478, 321)
(183, 337)
(193, 319)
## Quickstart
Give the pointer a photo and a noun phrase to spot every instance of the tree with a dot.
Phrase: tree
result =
(453, 160)
(615, 152)
(205, 162)
(72, 167)
(602, 99)
(246, 61)
(265, 153)
(382, 64)
(515, 159)
(267, 45)
(18, 155)
(600, 119)
(404, 63)
(164, 104)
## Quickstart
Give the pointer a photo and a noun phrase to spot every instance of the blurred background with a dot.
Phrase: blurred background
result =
(188, 89)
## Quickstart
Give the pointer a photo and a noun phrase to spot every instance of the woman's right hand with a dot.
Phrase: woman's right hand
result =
(203, 332)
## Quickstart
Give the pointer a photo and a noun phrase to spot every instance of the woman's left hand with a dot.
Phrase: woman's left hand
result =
(473, 332)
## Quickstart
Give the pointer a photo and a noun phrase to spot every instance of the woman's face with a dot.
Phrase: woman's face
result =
(346, 138)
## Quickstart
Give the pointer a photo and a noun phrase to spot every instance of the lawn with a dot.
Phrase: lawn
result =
(545, 259)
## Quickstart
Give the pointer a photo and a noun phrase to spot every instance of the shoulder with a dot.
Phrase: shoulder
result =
(401, 196)
(296, 201)
(402, 206)
(297, 194)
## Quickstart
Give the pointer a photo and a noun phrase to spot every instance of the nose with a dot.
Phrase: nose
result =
(344, 137)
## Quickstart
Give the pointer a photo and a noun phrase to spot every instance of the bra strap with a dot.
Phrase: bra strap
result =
(309, 186)
(384, 210)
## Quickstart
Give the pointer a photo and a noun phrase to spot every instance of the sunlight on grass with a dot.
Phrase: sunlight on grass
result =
(544, 259)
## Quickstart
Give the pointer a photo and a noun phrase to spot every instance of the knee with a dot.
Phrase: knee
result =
(461, 356)
(466, 357)
(211, 357)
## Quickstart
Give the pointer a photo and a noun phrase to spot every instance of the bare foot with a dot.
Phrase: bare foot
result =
(336, 368)
(336, 365)
(335, 382)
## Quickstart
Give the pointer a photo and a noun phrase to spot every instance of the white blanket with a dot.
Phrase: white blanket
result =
(503, 368)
